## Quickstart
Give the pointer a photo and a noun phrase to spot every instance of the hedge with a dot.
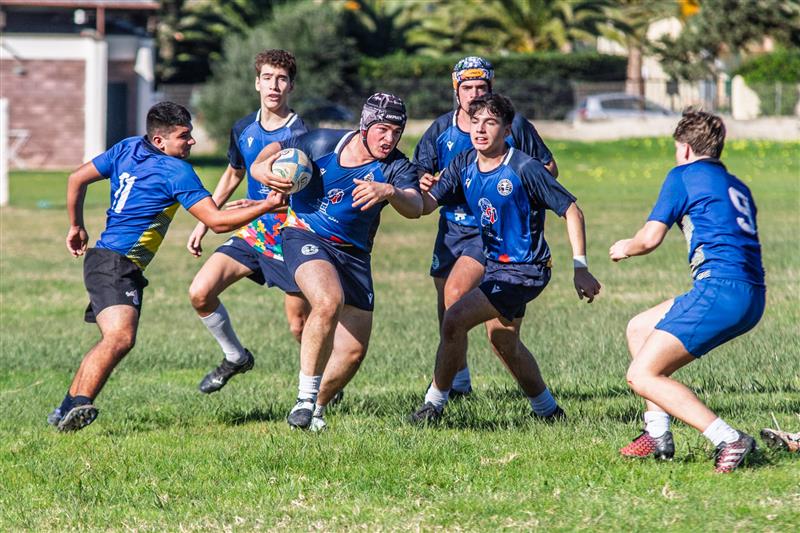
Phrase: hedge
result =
(775, 78)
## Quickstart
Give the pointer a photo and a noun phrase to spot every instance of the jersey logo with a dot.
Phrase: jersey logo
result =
(309, 249)
(369, 177)
(370, 297)
(250, 142)
(334, 196)
(504, 187)
(468, 182)
(488, 212)
(322, 171)
(134, 296)
(435, 262)
(450, 145)
(496, 289)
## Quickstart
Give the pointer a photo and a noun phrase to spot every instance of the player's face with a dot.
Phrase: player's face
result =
(470, 90)
(274, 86)
(177, 143)
(487, 132)
(382, 138)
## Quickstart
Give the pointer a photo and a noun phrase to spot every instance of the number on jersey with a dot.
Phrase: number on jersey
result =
(742, 205)
(123, 191)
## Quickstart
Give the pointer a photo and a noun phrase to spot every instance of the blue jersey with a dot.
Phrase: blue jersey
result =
(717, 215)
(509, 203)
(443, 141)
(325, 207)
(146, 188)
(248, 138)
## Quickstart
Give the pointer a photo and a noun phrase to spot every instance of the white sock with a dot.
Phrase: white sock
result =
(462, 381)
(219, 324)
(719, 431)
(437, 397)
(656, 423)
(308, 387)
(543, 404)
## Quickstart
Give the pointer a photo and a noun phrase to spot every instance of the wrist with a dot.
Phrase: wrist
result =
(579, 261)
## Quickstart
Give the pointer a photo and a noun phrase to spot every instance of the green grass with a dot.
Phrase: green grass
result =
(164, 457)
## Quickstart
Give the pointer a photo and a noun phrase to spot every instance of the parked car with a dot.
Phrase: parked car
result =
(616, 105)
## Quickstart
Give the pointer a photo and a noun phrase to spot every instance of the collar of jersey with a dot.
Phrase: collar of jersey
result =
(340, 147)
(502, 164)
(288, 123)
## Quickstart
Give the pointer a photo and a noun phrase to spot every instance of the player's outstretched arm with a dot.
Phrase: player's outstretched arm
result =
(207, 212)
(407, 202)
(647, 239)
(585, 284)
(228, 183)
(77, 238)
(429, 203)
(261, 169)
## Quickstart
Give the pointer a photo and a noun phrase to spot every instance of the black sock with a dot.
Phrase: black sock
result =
(66, 404)
(81, 400)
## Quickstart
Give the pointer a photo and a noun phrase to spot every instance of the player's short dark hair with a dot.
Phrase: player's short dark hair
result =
(704, 132)
(277, 58)
(497, 104)
(163, 117)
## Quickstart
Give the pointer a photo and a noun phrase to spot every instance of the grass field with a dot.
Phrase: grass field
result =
(164, 457)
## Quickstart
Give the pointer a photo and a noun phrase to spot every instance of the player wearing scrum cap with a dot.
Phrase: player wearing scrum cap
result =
(458, 261)
(327, 241)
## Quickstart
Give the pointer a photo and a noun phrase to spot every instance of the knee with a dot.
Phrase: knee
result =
(120, 342)
(637, 378)
(199, 296)
(296, 325)
(328, 308)
(453, 292)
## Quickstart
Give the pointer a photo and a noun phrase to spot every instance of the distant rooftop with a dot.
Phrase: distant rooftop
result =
(107, 4)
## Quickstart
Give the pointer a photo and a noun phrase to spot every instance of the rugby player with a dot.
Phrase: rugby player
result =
(717, 215)
(255, 251)
(508, 192)
(458, 262)
(328, 237)
(149, 180)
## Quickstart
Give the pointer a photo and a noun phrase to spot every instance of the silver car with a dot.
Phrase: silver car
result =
(616, 105)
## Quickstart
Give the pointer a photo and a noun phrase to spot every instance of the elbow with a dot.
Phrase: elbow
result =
(220, 227)
(651, 242)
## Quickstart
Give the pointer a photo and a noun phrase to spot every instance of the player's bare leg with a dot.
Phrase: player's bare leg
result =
(639, 329)
(217, 274)
(297, 309)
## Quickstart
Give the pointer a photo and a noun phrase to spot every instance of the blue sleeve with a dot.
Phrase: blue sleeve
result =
(235, 157)
(528, 140)
(672, 200)
(425, 154)
(298, 127)
(402, 173)
(187, 187)
(448, 190)
(543, 189)
(104, 163)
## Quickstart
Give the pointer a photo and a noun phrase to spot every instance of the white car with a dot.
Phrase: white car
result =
(616, 105)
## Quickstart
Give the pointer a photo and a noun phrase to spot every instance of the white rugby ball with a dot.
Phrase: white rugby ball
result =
(293, 164)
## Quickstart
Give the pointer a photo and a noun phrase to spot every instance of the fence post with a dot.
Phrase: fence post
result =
(3, 151)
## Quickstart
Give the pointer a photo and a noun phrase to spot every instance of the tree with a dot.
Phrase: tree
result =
(327, 64)
(380, 27)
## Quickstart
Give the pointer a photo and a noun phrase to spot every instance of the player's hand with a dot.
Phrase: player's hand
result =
(194, 244)
(262, 172)
(586, 285)
(77, 240)
(277, 200)
(427, 181)
(617, 250)
(239, 204)
(369, 193)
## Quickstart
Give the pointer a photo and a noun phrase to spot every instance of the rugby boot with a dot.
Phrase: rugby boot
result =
(644, 445)
(781, 440)
(301, 414)
(426, 414)
(317, 424)
(730, 455)
(78, 417)
(456, 394)
(556, 416)
(55, 416)
(217, 378)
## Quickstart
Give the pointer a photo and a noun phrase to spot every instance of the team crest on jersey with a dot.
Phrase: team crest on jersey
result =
(504, 187)
(334, 196)
(309, 249)
(250, 142)
(450, 145)
(369, 177)
(488, 212)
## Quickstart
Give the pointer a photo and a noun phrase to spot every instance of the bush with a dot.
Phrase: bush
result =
(775, 78)
(327, 64)
(539, 84)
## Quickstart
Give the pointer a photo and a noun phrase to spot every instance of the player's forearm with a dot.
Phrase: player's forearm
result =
(407, 202)
(259, 169)
(647, 239)
(228, 183)
(576, 230)
(429, 204)
(225, 221)
(77, 183)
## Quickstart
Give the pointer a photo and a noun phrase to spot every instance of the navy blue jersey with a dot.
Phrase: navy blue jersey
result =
(509, 203)
(248, 138)
(443, 141)
(146, 188)
(717, 215)
(324, 206)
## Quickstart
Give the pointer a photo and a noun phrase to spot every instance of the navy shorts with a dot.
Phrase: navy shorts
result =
(714, 312)
(111, 279)
(266, 270)
(353, 265)
(453, 241)
(509, 287)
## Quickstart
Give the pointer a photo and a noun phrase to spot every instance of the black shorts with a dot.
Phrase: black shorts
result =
(452, 241)
(111, 279)
(509, 287)
(266, 270)
(352, 265)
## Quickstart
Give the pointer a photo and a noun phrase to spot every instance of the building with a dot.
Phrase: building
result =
(78, 76)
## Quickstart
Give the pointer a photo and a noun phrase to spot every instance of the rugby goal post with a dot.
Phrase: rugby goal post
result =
(3, 151)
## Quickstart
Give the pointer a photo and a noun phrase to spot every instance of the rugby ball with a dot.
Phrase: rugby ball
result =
(293, 164)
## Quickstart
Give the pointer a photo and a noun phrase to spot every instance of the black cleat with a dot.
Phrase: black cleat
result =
(730, 455)
(556, 416)
(644, 445)
(300, 415)
(78, 417)
(55, 416)
(427, 414)
(456, 394)
(217, 378)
